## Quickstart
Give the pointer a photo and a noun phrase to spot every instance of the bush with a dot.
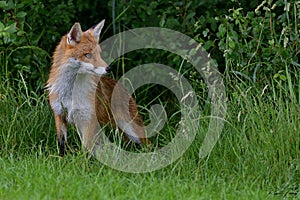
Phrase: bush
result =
(257, 43)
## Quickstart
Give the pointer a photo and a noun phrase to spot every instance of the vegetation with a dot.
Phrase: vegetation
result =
(256, 46)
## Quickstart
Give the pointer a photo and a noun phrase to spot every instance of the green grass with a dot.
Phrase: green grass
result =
(257, 156)
(75, 177)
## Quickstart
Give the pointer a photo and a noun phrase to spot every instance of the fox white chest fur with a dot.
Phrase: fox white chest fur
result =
(74, 94)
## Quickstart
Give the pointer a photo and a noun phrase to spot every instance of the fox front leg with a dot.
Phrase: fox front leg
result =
(61, 132)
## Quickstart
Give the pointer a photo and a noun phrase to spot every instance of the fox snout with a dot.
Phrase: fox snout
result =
(101, 70)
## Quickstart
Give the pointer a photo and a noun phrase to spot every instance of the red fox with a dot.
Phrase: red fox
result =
(81, 95)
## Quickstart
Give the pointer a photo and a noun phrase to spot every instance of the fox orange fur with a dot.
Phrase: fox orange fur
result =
(81, 95)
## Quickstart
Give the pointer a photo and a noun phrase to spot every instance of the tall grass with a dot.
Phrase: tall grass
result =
(26, 121)
(257, 156)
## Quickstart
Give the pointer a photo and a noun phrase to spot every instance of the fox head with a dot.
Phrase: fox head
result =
(81, 50)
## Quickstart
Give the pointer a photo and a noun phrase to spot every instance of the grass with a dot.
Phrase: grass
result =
(74, 177)
(257, 156)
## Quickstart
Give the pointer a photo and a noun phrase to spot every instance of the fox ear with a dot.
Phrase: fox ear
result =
(98, 28)
(74, 34)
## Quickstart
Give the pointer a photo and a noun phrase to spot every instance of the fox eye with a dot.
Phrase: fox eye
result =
(88, 55)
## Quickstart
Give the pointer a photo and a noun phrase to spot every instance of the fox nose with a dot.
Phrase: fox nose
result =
(108, 69)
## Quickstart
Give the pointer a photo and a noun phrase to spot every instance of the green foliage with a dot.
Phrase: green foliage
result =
(28, 33)
(260, 43)
(247, 40)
